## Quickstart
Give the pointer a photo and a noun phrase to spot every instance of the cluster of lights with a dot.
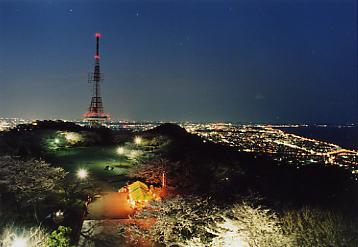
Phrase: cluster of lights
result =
(130, 153)
(59, 213)
(269, 139)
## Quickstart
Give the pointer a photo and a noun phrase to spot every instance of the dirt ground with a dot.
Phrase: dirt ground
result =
(111, 205)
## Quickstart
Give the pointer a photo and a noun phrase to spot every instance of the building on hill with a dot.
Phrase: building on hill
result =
(139, 194)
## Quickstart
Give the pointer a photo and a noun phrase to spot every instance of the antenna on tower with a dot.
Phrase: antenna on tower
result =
(98, 35)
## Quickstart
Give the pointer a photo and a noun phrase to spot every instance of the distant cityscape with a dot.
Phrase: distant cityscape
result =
(282, 146)
(254, 138)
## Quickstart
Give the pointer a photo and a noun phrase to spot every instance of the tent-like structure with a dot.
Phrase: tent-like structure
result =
(139, 193)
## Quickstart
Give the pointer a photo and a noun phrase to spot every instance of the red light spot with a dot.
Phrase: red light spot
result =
(98, 35)
(96, 57)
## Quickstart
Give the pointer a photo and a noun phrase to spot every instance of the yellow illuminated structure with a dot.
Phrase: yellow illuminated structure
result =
(139, 194)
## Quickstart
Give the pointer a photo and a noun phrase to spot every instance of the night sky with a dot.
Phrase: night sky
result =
(272, 61)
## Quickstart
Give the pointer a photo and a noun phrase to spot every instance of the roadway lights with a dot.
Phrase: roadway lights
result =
(138, 140)
(82, 173)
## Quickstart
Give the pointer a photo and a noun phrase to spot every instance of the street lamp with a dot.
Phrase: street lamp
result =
(138, 140)
(57, 141)
(59, 213)
(82, 173)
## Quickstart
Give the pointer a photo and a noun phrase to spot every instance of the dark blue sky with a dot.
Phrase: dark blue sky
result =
(259, 61)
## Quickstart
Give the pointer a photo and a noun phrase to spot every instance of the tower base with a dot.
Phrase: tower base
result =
(96, 121)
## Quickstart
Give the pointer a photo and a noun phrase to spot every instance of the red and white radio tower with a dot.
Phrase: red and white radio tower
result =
(95, 115)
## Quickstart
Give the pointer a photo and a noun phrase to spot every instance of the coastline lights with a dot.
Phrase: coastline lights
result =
(82, 173)
(138, 140)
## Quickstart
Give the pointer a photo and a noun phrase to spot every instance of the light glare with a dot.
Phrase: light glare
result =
(120, 150)
(82, 173)
(19, 242)
(138, 140)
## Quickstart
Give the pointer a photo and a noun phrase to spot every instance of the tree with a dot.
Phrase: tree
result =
(60, 237)
(196, 222)
(20, 236)
(152, 171)
(30, 181)
(244, 225)
(313, 227)
(177, 222)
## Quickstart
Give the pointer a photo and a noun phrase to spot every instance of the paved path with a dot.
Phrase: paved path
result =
(106, 233)
(101, 226)
(112, 205)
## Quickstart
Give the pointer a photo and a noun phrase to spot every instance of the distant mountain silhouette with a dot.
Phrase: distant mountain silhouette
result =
(170, 130)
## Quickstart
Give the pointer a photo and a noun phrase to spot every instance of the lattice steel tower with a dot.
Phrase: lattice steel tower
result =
(95, 115)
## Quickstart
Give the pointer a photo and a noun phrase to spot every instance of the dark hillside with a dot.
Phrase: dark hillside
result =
(33, 140)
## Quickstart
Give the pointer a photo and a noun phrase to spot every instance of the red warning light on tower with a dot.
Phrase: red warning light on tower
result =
(98, 35)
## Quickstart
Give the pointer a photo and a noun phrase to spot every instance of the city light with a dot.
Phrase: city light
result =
(138, 140)
(82, 173)
(271, 140)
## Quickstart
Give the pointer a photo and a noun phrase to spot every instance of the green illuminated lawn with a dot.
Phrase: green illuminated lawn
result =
(95, 159)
